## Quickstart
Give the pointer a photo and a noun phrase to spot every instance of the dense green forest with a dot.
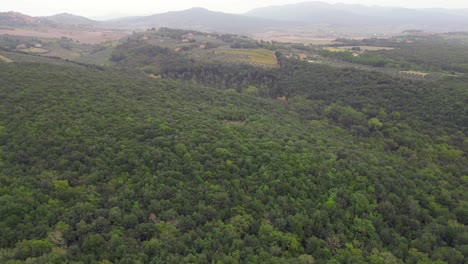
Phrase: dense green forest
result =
(207, 165)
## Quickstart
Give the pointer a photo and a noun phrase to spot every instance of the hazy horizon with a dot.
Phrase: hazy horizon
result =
(106, 9)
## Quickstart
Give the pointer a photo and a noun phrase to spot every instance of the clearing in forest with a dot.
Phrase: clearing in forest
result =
(371, 48)
(259, 56)
(64, 54)
(362, 48)
(418, 73)
(5, 59)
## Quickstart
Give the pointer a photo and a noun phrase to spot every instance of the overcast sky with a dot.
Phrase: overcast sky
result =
(98, 8)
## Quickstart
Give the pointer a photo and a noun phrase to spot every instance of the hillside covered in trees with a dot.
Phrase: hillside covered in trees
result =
(198, 161)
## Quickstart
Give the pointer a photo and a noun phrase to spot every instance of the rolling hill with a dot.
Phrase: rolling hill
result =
(14, 19)
(105, 166)
(70, 19)
(204, 20)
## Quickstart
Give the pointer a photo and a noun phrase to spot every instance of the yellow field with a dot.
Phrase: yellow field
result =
(154, 76)
(5, 59)
(333, 49)
(36, 50)
(363, 48)
(260, 56)
(422, 74)
(368, 47)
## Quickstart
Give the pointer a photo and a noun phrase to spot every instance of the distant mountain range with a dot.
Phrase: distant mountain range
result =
(195, 18)
(359, 15)
(204, 20)
(288, 18)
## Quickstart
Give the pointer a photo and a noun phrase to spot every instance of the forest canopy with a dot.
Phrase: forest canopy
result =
(230, 163)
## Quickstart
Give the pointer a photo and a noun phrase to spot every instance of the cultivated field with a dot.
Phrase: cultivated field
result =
(416, 73)
(23, 57)
(64, 54)
(333, 49)
(363, 48)
(86, 37)
(101, 58)
(5, 59)
(305, 39)
(258, 56)
(36, 50)
(371, 48)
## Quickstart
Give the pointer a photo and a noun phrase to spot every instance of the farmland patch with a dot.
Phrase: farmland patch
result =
(257, 56)
(5, 59)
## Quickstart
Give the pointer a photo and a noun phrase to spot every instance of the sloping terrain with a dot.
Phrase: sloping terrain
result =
(70, 19)
(103, 165)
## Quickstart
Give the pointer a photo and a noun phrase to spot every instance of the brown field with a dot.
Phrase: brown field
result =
(87, 37)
